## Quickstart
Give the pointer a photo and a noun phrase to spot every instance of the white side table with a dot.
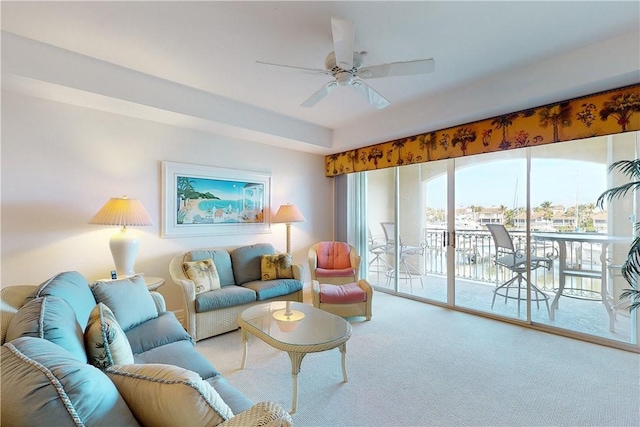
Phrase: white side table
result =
(153, 283)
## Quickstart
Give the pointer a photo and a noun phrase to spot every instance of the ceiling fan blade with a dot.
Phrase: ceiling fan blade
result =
(306, 70)
(421, 66)
(344, 33)
(372, 97)
(324, 91)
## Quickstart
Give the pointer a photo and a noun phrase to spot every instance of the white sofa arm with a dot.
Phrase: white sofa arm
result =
(158, 299)
(263, 414)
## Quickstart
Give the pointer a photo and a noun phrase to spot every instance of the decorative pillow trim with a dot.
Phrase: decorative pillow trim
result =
(54, 381)
(43, 310)
(103, 331)
(114, 370)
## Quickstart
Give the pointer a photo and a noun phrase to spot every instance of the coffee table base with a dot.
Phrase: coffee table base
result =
(296, 361)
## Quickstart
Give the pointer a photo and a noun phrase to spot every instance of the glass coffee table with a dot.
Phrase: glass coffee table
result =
(298, 329)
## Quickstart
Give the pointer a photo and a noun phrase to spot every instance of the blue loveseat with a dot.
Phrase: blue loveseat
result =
(242, 283)
(109, 354)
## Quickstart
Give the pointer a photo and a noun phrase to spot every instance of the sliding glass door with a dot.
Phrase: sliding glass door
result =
(428, 235)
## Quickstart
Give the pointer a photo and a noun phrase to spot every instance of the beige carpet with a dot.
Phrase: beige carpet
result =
(418, 365)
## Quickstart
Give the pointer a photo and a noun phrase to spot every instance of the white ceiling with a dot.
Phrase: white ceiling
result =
(491, 57)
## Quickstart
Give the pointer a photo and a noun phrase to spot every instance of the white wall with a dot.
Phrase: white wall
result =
(61, 163)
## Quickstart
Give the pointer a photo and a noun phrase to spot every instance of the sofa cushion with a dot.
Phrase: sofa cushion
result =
(237, 401)
(228, 296)
(157, 332)
(106, 343)
(203, 274)
(129, 299)
(276, 266)
(43, 385)
(222, 260)
(273, 288)
(179, 353)
(172, 396)
(72, 287)
(53, 319)
(246, 261)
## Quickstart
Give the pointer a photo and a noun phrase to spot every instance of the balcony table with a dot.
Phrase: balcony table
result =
(564, 270)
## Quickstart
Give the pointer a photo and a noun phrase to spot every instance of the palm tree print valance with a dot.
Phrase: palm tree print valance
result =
(600, 114)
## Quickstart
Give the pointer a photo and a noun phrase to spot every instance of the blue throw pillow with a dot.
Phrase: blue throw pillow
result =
(129, 299)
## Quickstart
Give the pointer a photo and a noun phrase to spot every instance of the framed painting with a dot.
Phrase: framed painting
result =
(207, 200)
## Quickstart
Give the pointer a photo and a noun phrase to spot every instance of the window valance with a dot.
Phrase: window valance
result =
(603, 113)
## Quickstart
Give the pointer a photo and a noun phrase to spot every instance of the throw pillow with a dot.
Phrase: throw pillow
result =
(276, 267)
(51, 318)
(106, 343)
(203, 274)
(129, 299)
(44, 385)
(173, 396)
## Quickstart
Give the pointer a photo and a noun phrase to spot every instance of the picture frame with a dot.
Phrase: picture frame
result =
(203, 200)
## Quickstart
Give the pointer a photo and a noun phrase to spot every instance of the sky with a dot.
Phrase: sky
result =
(560, 182)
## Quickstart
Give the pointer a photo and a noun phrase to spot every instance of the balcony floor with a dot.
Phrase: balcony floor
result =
(580, 315)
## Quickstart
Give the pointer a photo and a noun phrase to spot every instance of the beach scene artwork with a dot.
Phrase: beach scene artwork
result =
(205, 201)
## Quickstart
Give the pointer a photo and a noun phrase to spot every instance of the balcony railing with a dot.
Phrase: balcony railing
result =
(475, 254)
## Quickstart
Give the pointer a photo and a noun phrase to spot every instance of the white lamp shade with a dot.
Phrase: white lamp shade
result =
(288, 214)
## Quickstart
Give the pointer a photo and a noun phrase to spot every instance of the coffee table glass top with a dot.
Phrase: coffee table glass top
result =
(316, 327)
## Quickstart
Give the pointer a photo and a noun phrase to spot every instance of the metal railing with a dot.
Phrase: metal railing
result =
(475, 254)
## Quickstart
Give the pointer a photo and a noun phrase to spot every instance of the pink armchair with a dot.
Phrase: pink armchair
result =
(334, 262)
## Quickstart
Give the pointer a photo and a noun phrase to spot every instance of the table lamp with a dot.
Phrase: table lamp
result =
(288, 214)
(124, 245)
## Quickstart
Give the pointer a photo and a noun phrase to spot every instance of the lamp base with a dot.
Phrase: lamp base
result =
(124, 248)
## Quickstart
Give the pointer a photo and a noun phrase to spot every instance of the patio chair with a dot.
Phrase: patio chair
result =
(407, 271)
(518, 262)
(376, 250)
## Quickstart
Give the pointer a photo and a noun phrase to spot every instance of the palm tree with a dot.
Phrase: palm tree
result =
(621, 107)
(503, 122)
(556, 115)
(464, 136)
(631, 267)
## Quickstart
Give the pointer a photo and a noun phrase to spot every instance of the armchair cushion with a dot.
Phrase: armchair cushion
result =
(335, 272)
(107, 345)
(246, 261)
(43, 384)
(228, 296)
(342, 294)
(222, 260)
(203, 274)
(129, 299)
(50, 318)
(276, 267)
(333, 255)
(173, 396)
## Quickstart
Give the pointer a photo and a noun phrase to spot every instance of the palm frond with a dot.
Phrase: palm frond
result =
(617, 192)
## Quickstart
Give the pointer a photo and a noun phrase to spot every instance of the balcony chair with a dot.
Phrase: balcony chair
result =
(376, 250)
(334, 262)
(518, 262)
(407, 271)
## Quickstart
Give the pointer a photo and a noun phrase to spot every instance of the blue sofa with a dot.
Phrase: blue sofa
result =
(242, 285)
(64, 344)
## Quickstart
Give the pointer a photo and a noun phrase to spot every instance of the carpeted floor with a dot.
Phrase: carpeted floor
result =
(415, 364)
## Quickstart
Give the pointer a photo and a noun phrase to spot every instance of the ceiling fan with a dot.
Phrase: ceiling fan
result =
(347, 67)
